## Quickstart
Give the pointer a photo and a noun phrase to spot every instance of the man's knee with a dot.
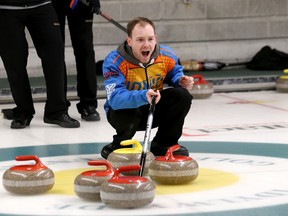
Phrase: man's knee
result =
(182, 96)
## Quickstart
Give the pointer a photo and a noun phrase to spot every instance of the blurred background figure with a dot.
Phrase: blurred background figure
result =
(80, 24)
(39, 18)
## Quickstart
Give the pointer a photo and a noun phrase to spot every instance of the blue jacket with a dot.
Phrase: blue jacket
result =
(127, 80)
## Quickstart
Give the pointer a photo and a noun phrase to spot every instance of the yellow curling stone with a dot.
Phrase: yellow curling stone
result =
(130, 156)
(282, 82)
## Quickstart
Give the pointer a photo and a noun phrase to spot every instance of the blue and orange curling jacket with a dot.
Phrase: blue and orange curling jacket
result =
(127, 80)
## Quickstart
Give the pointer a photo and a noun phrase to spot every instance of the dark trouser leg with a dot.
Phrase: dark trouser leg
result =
(170, 114)
(62, 8)
(169, 117)
(126, 123)
(47, 39)
(80, 23)
(14, 54)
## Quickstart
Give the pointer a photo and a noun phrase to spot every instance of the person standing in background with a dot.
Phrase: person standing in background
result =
(39, 18)
(80, 24)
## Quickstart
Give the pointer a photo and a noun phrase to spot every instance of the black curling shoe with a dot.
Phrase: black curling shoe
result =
(21, 121)
(8, 113)
(158, 150)
(63, 120)
(89, 113)
(106, 150)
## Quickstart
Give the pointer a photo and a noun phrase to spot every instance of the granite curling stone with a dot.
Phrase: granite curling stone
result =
(87, 184)
(28, 179)
(201, 88)
(282, 82)
(173, 169)
(127, 191)
(130, 156)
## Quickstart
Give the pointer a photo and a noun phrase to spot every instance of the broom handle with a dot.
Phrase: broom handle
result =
(107, 17)
(147, 136)
(104, 15)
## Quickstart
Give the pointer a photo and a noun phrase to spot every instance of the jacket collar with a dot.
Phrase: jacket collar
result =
(126, 52)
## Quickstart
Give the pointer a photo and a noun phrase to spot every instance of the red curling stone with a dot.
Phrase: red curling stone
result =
(201, 88)
(87, 184)
(28, 179)
(173, 169)
(130, 156)
(127, 191)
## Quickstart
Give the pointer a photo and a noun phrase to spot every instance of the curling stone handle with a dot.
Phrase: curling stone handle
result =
(105, 163)
(38, 162)
(125, 169)
(169, 153)
(136, 144)
(28, 157)
(199, 79)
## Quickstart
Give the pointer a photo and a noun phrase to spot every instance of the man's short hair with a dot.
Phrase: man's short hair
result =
(143, 21)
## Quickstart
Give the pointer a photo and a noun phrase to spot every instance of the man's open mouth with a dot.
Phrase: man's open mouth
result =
(145, 53)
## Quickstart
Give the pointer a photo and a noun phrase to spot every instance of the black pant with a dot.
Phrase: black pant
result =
(169, 116)
(80, 23)
(46, 36)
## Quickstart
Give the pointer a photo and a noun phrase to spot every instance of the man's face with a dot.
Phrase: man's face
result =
(142, 41)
